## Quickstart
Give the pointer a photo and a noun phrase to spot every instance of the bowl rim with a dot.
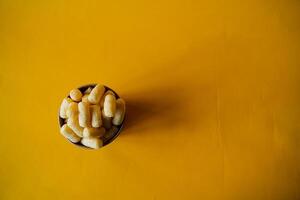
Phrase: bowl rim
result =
(61, 121)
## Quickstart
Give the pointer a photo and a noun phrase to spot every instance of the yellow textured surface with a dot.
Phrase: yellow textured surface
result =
(212, 91)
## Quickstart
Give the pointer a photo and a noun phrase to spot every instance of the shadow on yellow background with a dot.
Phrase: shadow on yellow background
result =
(212, 93)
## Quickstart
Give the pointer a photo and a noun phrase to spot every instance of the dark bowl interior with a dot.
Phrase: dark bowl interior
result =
(105, 141)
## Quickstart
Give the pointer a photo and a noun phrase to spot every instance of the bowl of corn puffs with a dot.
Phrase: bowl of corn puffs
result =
(91, 116)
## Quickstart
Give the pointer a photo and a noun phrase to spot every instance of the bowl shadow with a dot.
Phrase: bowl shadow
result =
(153, 109)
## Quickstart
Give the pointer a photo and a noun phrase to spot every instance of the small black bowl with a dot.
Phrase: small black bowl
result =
(105, 141)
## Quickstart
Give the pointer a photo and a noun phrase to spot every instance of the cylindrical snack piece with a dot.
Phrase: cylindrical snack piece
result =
(69, 134)
(111, 132)
(120, 112)
(109, 106)
(93, 132)
(87, 91)
(94, 142)
(96, 94)
(84, 114)
(106, 121)
(74, 125)
(75, 94)
(72, 109)
(96, 116)
(63, 107)
(103, 97)
(85, 98)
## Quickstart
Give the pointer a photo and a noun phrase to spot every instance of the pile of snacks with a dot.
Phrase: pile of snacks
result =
(92, 116)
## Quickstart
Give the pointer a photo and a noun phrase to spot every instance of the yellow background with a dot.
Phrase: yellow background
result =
(212, 91)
